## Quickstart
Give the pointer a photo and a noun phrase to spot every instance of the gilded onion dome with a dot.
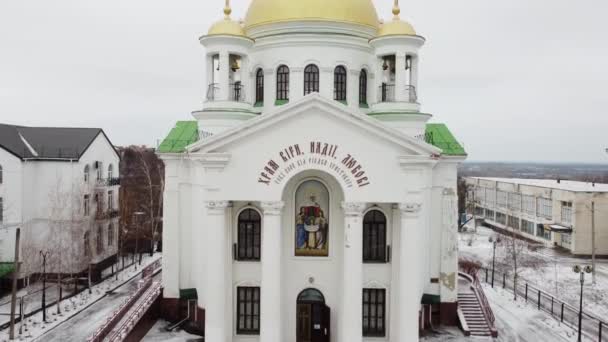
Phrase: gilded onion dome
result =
(396, 26)
(361, 12)
(227, 26)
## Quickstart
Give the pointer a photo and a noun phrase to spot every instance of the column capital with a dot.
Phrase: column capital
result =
(353, 209)
(217, 207)
(410, 209)
(273, 208)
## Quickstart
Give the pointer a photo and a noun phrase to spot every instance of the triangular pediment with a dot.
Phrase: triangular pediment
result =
(310, 112)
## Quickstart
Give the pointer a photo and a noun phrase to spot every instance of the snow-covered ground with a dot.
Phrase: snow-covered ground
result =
(553, 274)
(515, 322)
(34, 328)
(158, 334)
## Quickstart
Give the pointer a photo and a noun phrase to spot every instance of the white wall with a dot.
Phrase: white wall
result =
(52, 201)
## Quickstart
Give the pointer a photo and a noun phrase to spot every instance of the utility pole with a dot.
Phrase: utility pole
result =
(14, 291)
(593, 241)
(44, 255)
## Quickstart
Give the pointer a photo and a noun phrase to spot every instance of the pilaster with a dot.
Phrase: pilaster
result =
(352, 310)
(410, 291)
(270, 300)
(217, 327)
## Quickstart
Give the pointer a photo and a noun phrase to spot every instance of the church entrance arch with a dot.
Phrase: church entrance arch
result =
(313, 317)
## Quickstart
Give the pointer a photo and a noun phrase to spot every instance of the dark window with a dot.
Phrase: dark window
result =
(283, 83)
(311, 79)
(374, 237)
(363, 87)
(248, 311)
(1, 210)
(340, 84)
(87, 246)
(249, 235)
(110, 234)
(259, 86)
(374, 309)
(99, 241)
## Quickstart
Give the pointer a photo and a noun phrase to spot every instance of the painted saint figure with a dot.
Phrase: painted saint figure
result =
(311, 227)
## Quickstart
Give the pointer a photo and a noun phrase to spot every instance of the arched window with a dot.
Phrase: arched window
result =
(86, 244)
(340, 83)
(311, 79)
(363, 87)
(374, 237)
(110, 234)
(110, 171)
(311, 296)
(283, 83)
(99, 240)
(259, 86)
(87, 172)
(249, 230)
(99, 171)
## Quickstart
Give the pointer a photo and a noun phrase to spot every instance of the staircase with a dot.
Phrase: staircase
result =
(473, 315)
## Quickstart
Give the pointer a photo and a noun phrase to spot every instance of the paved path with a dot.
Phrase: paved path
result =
(84, 324)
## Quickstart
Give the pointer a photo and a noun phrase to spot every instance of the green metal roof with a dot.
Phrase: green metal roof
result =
(6, 268)
(183, 134)
(439, 135)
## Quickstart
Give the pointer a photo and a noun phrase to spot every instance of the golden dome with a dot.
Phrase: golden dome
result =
(360, 12)
(227, 26)
(396, 27)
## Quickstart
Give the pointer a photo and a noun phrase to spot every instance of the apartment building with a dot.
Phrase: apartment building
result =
(552, 212)
(60, 186)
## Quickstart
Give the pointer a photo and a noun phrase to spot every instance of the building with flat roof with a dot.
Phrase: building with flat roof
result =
(552, 212)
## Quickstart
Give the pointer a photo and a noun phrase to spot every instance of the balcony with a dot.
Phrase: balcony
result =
(236, 92)
(113, 181)
(387, 93)
(102, 215)
(213, 92)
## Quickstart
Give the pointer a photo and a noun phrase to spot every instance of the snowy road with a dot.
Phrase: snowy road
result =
(81, 326)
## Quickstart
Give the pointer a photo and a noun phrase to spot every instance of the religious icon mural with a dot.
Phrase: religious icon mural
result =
(312, 219)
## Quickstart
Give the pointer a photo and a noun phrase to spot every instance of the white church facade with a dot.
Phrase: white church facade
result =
(311, 200)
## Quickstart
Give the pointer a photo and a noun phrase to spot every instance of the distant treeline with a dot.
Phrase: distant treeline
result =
(597, 173)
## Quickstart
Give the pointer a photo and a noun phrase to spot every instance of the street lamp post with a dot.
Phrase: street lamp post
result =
(494, 240)
(137, 215)
(581, 270)
(44, 256)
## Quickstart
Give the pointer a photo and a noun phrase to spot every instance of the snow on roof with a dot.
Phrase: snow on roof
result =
(552, 184)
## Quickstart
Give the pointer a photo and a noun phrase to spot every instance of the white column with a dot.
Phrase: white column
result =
(270, 301)
(326, 82)
(171, 238)
(400, 79)
(449, 248)
(352, 89)
(352, 292)
(270, 89)
(216, 327)
(410, 270)
(296, 84)
(224, 76)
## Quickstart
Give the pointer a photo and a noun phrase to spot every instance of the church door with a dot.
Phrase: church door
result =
(313, 317)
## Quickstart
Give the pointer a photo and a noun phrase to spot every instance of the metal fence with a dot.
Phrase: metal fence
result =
(592, 326)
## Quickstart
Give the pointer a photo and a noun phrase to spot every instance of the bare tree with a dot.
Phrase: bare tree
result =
(516, 256)
(152, 172)
(142, 182)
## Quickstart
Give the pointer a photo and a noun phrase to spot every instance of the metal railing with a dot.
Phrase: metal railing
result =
(387, 93)
(213, 91)
(113, 181)
(558, 309)
(236, 92)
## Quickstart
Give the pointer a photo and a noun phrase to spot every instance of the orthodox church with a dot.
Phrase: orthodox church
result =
(310, 199)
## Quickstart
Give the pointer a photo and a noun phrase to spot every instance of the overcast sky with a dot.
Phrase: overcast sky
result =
(514, 79)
